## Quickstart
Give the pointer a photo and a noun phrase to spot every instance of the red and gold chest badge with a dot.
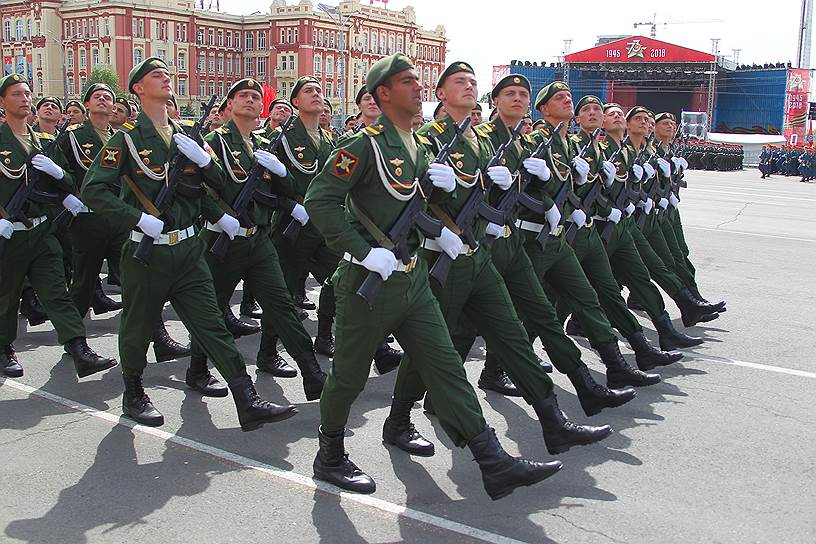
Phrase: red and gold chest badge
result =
(110, 157)
(344, 164)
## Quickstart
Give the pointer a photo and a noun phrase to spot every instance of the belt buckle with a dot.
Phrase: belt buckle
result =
(250, 231)
(411, 264)
(173, 237)
(507, 231)
(470, 251)
(559, 231)
(588, 223)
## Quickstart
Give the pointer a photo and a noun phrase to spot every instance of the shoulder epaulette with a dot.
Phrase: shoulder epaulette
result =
(603, 144)
(438, 127)
(128, 125)
(44, 135)
(74, 126)
(423, 140)
(545, 131)
(329, 136)
(223, 129)
(487, 127)
(374, 130)
(186, 122)
(480, 132)
(259, 131)
(528, 138)
(576, 138)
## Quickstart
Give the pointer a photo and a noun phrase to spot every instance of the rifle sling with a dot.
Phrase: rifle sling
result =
(369, 224)
(146, 203)
(446, 219)
(220, 202)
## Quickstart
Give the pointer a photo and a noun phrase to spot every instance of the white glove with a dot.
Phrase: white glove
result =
(663, 203)
(150, 225)
(6, 229)
(299, 214)
(500, 176)
(494, 230)
(72, 204)
(665, 167)
(578, 217)
(442, 176)
(538, 168)
(47, 166)
(683, 163)
(609, 172)
(450, 243)
(647, 206)
(678, 164)
(582, 169)
(629, 209)
(229, 224)
(615, 215)
(381, 261)
(674, 201)
(637, 170)
(190, 149)
(553, 216)
(649, 170)
(271, 162)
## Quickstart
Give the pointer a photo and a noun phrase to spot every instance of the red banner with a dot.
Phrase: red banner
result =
(639, 49)
(796, 105)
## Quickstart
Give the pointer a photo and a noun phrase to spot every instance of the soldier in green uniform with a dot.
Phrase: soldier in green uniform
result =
(121, 112)
(31, 249)
(251, 255)
(49, 115)
(360, 172)
(138, 155)
(76, 111)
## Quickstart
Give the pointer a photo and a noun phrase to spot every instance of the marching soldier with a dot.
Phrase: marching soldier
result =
(49, 115)
(30, 248)
(405, 304)
(121, 113)
(139, 155)
(76, 112)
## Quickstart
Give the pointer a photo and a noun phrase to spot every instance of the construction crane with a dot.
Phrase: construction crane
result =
(653, 24)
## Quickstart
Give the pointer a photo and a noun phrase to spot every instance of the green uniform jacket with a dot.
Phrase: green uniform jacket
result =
(623, 162)
(148, 153)
(595, 157)
(81, 148)
(559, 159)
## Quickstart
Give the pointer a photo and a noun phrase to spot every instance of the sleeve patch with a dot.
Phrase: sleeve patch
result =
(344, 164)
(110, 157)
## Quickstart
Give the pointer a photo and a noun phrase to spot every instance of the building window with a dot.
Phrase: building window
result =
(364, 42)
(83, 59)
(212, 64)
(317, 67)
(200, 37)
(182, 61)
(141, 28)
(220, 38)
(435, 75)
(262, 67)
(220, 64)
(229, 38)
(249, 69)
(137, 56)
(329, 88)
(84, 27)
(374, 42)
(211, 36)
(320, 39)
(107, 26)
(229, 64)
(39, 61)
(202, 61)
(250, 41)
(341, 40)
(237, 40)
(330, 65)
(295, 35)
(107, 56)
(202, 88)
(71, 89)
(19, 27)
(221, 88)
(390, 44)
(181, 87)
(95, 56)
(332, 42)
(28, 29)
(283, 36)
(162, 54)
(212, 88)
(400, 45)
(70, 59)
(261, 40)
(7, 30)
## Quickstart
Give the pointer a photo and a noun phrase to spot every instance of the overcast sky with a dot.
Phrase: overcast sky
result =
(536, 30)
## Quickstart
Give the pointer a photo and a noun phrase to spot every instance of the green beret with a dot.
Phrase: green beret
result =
(280, 101)
(634, 111)
(538, 123)
(10, 80)
(548, 92)
(477, 107)
(512, 80)
(175, 103)
(360, 94)
(97, 87)
(588, 99)
(142, 69)
(326, 101)
(53, 99)
(76, 104)
(300, 83)
(385, 68)
(454, 68)
(349, 118)
(223, 105)
(611, 105)
(437, 108)
(246, 83)
(665, 115)
(122, 101)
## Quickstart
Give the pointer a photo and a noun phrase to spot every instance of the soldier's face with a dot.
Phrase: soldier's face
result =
(590, 117)
(638, 124)
(17, 101)
(119, 114)
(325, 117)
(49, 112)
(614, 120)
(475, 117)
(664, 130)
(528, 126)
(459, 91)
(368, 107)
(559, 106)
(309, 99)
(76, 115)
(404, 93)
(246, 103)
(513, 101)
(418, 121)
(280, 113)
(100, 102)
(154, 85)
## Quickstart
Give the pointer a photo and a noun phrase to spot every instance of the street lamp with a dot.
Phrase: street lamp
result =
(337, 16)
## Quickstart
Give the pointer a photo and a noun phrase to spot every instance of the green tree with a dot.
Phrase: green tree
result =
(103, 74)
(187, 111)
(485, 97)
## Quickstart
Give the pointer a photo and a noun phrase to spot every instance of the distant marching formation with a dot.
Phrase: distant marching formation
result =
(427, 233)
(788, 161)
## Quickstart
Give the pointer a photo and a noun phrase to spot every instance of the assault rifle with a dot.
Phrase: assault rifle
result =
(594, 195)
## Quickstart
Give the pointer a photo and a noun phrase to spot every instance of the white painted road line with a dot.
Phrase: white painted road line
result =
(269, 470)
(727, 231)
(757, 366)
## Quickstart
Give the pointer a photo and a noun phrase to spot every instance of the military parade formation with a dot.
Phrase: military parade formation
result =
(788, 161)
(421, 235)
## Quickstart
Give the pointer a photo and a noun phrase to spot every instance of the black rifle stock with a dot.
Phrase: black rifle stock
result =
(413, 216)
(594, 195)
(246, 195)
(164, 200)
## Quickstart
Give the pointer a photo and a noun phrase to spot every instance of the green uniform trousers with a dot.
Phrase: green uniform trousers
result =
(179, 274)
(36, 253)
(256, 262)
(663, 276)
(407, 308)
(560, 272)
(93, 239)
(531, 303)
(654, 235)
(671, 226)
(475, 289)
(629, 269)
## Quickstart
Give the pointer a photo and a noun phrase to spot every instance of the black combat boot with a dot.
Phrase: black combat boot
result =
(249, 307)
(102, 303)
(574, 327)
(386, 359)
(9, 364)
(333, 465)
(86, 360)
(593, 396)
(648, 356)
(165, 348)
(136, 404)
(253, 411)
(237, 327)
(400, 432)
(31, 308)
(324, 341)
(560, 434)
(502, 473)
(670, 338)
(633, 303)
(200, 379)
(618, 372)
(313, 375)
(302, 302)
(270, 361)
(494, 378)
(696, 292)
(693, 311)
